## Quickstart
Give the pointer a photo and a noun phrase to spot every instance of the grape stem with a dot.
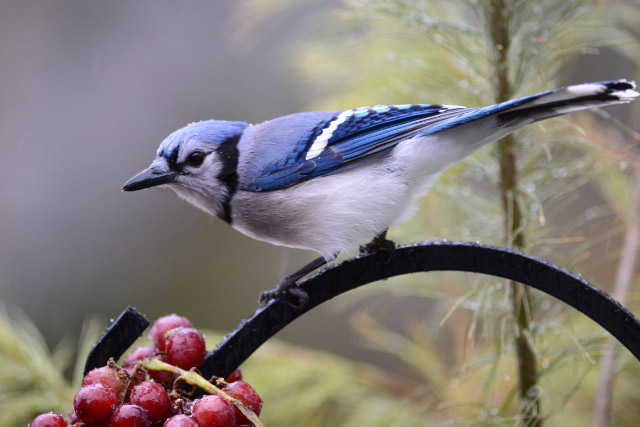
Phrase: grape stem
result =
(195, 379)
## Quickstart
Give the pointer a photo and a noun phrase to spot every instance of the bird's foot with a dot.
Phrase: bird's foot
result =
(287, 286)
(379, 244)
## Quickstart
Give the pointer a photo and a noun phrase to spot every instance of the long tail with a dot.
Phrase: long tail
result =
(513, 114)
(475, 127)
(568, 100)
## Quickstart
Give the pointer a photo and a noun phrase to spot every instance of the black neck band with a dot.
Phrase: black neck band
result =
(228, 153)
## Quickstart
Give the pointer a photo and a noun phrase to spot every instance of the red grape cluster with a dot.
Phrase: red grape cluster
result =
(135, 396)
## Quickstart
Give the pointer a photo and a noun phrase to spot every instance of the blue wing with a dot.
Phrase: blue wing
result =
(303, 146)
(347, 139)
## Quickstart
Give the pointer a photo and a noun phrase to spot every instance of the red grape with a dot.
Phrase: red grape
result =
(163, 325)
(73, 418)
(181, 421)
(214, 411)
(99, 402)
(140, 353)
(247, 395)
(105, 376)
(129, 416)
(153, 398)
(48, 419)
(186, 407)
(94, 403)
(234, 376)
(186, 348)
(134, 380)
(161, 377)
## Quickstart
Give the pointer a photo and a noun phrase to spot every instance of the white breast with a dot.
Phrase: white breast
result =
(329, 215)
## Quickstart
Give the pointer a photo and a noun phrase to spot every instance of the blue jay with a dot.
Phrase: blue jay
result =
(331, 181)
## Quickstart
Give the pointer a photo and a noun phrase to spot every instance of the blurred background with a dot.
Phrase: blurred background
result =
(89, 89)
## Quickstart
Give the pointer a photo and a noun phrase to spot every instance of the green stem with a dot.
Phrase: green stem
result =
(513, 220)
(193, 378)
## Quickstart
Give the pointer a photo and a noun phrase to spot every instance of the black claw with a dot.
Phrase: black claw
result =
(265, 297)
(379, 244)
(300, 294)
(289, 286)
(284, 288)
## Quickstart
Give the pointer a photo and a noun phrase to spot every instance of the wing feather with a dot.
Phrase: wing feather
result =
(349, 139)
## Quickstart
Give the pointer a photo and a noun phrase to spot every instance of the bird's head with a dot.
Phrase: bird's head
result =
(199, 162)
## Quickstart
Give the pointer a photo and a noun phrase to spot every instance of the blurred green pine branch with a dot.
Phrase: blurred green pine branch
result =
(371, 52)
(31, 376)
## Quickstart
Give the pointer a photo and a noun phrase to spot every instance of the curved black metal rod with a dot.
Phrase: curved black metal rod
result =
(116, 339)
(236, 347)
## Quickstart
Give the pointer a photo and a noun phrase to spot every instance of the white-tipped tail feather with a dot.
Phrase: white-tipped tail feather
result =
(511, 115)
(609, 92)
(574, 98)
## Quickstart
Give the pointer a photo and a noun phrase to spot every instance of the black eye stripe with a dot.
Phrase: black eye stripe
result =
(194, 159)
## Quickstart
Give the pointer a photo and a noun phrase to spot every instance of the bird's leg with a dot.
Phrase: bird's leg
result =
(289, 285)
(379, 243)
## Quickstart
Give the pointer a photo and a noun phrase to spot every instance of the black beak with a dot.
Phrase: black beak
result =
(148, 178)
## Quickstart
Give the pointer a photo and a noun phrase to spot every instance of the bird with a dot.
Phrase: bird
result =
(334, 181)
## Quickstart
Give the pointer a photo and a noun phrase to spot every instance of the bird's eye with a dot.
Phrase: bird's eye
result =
(196, 158)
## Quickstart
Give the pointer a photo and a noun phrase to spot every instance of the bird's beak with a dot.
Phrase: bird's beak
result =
(148, 178)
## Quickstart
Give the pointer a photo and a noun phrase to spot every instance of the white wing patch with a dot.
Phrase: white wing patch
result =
(321, 140)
